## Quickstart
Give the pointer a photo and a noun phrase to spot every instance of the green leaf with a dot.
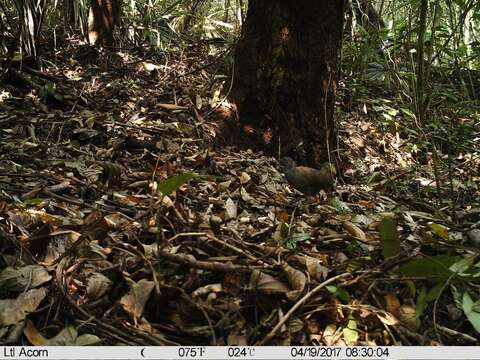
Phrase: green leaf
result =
(280, 235)
(172, 184)
(411, 287)
(435, 292)
(33, 201)
(299, 237)
(389, 237)
(284, 230)
(408, 112)
(294, 239)
(387, 116)
(340, 206)
(469, 308)
(421, 303)
(440, 230)
(392, 112)
(463, 265)
(457, 296)
(339, 292)
(435, 266)
(350, 332)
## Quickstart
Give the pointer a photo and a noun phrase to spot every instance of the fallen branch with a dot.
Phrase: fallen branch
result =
(190, 261)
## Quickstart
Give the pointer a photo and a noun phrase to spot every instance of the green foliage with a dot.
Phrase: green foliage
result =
(340, 206)
(172, 184)
(389, 237)
(421, 303)
(33, 201)
(170, 25)
(427, 296)
(339, 293)
(471, 309)
(435, 267)
(161, 25)
(350, 332)
(49, 93)
(292, 241)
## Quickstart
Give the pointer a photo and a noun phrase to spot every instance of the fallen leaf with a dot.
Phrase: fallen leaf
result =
(354, 230)
(244, 178)
(266, 284)
(134, 302)
(230, 209)
(393, 304)
(98, 285)
(18, 279)
(439, 230)
(172, 106)
(407, 316)
(14, 310)
(296, 279)
(33, 335)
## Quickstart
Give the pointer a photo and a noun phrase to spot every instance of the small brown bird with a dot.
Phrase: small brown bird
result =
(307, 180)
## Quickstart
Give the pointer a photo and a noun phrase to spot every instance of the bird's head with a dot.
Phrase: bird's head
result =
(287, 163)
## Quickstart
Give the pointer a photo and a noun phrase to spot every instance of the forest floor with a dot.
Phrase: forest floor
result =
(92, 252)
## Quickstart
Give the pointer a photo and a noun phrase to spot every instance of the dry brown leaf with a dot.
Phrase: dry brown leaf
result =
(266, 284)
(33, 335)
(14, 310)
(235, 339)
(172, 106)
(354, 230)
(246, 196)
(98, 285)
(393, 304)
(407, 316)
(330, 334)
(386, 318)
(134, 302)
(296, 279)
(316, 270)
(18, 279)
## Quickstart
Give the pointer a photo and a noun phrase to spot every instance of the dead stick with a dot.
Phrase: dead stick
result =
(190, 261)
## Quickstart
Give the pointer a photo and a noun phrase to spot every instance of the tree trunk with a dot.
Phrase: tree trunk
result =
(102, 18)
(286, 72)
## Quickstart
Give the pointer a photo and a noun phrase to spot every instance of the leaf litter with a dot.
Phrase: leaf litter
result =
(120, 215)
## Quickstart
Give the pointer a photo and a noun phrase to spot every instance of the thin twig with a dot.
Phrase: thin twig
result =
(295, 307)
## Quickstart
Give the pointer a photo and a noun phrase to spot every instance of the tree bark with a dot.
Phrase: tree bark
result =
(286, 72)
(102, 18)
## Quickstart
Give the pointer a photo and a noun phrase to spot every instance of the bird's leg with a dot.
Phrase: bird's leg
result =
(298, 204)
(301, 204)
(320, 199)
